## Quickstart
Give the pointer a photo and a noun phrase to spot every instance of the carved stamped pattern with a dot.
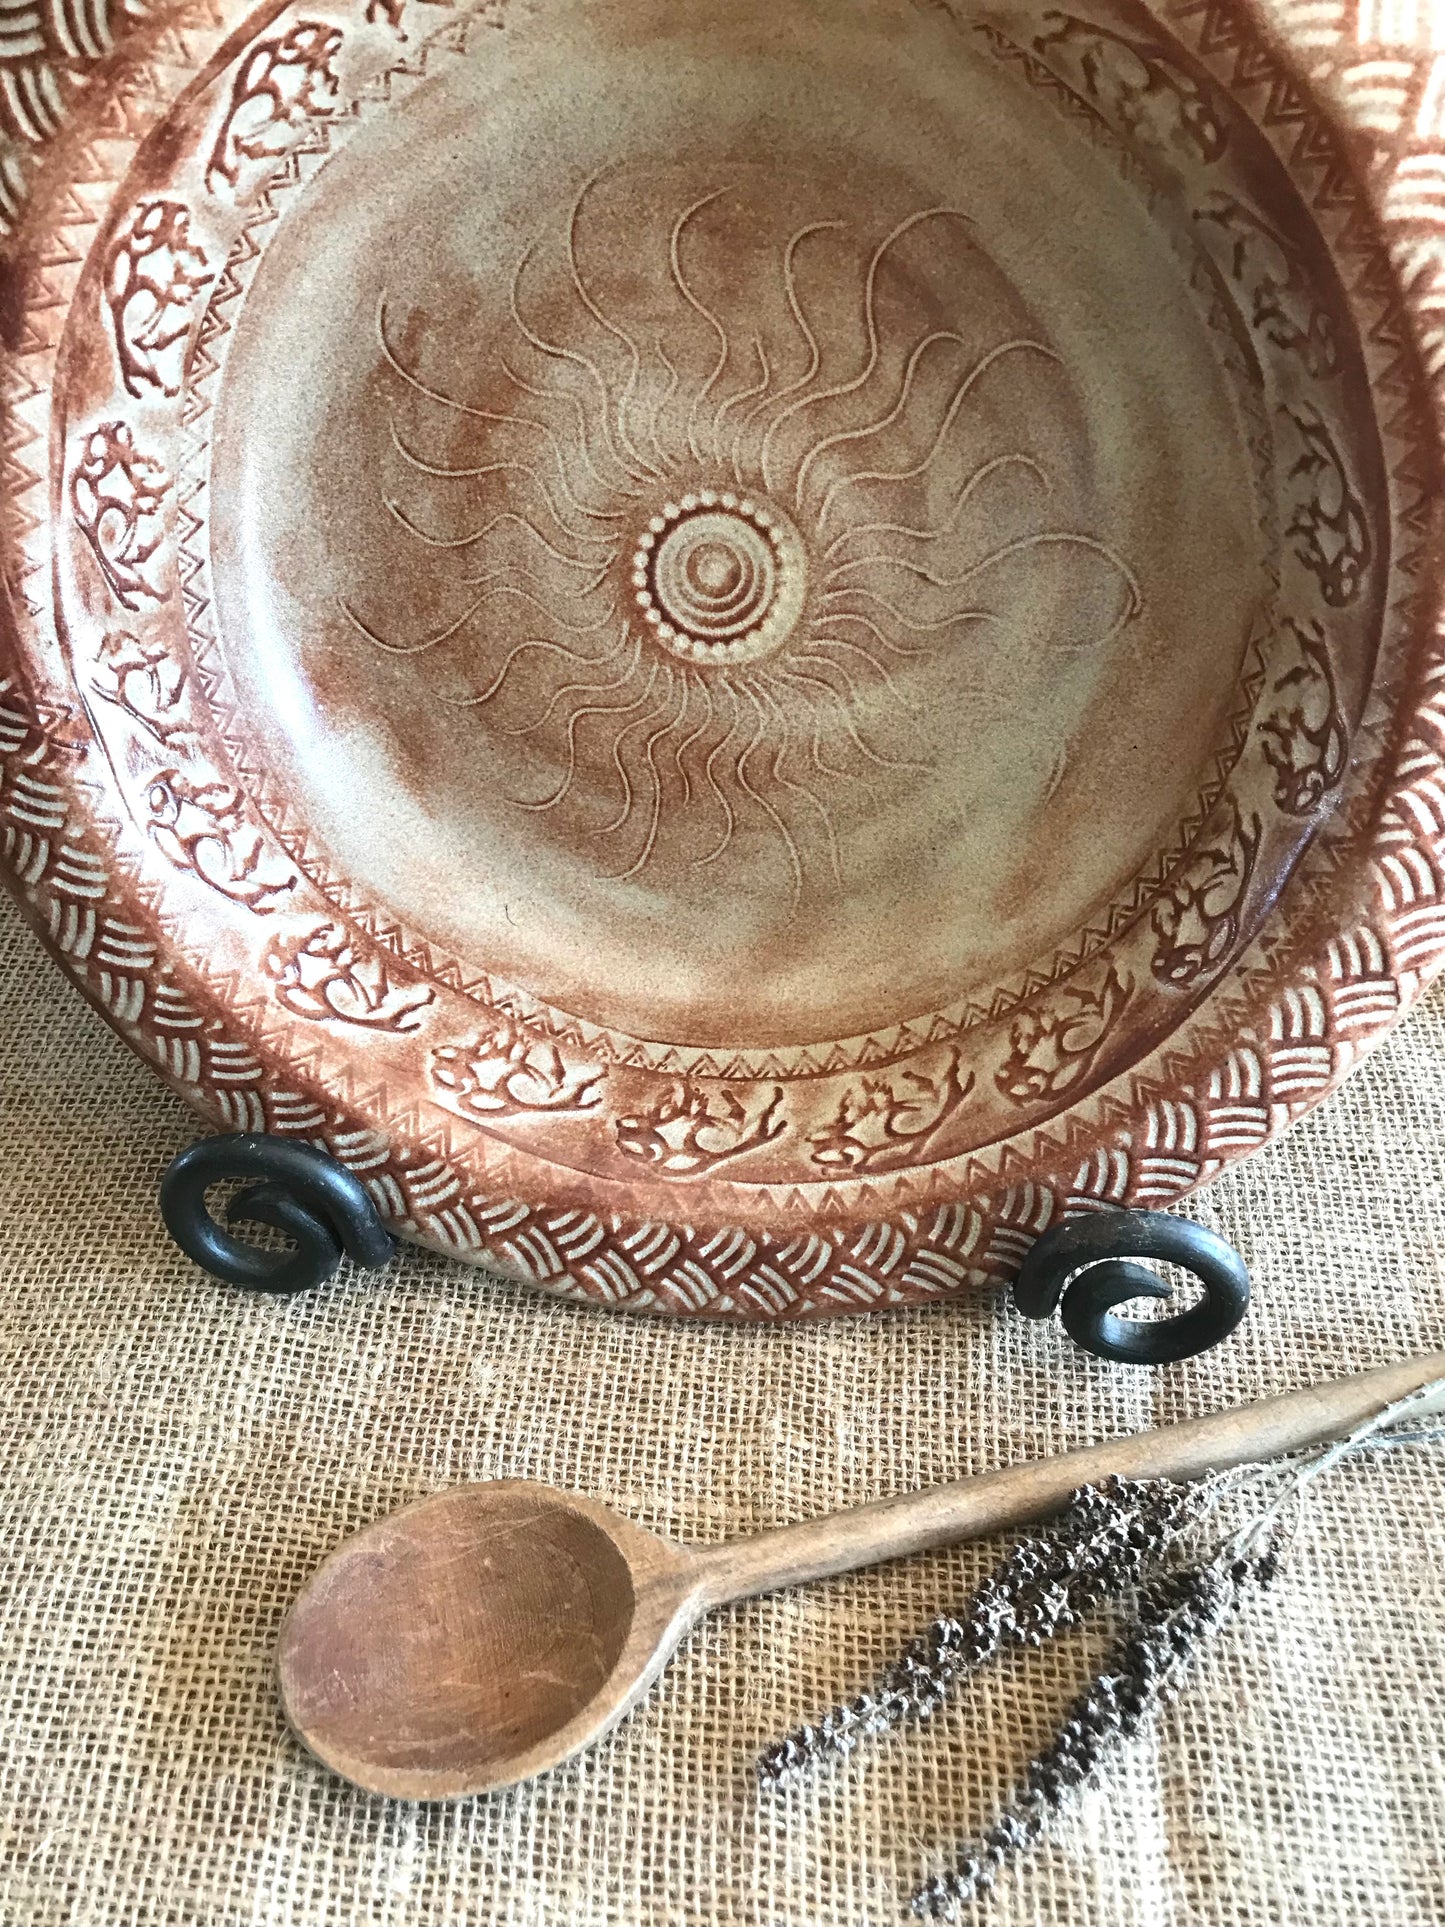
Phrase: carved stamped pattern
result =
(118, 494)
(154, 274)
(1328, 528)
(1054, 1046)
(1140, 84)
(1198, 918)
(687, 1132)
(204, 827)
(889, 1122)
(325, 976)
(509, 1071)
(1263, 1047)
(284, 82)
(144, 679)
(1284, 302)
(1306, 741)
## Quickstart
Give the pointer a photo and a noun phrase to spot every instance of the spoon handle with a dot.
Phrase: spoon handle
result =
(994, 1501)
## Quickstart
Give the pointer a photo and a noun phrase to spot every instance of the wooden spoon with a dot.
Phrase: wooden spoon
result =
(489, 1632)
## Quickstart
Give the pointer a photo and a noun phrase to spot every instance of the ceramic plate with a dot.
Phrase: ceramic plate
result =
(740, 651)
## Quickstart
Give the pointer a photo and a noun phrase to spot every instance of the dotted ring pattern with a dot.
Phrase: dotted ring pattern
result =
(720, 579)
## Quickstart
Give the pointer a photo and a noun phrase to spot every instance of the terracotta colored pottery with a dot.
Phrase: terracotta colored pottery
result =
(740, 651)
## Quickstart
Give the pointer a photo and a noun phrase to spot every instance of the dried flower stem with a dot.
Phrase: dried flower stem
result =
(1176, 1616)
(1106, 1540)
(1112, 1540)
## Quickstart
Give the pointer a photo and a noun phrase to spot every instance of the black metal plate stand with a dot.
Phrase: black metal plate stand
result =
(1081, 1267)
(299, 1191)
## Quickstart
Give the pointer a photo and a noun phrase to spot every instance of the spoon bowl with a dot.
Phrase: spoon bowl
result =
(487, 1633)
(478, 1636)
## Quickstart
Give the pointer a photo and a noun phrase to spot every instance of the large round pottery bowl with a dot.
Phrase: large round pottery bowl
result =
(740, 651)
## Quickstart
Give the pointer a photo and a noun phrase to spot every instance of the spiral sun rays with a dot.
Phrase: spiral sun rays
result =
(747, 495)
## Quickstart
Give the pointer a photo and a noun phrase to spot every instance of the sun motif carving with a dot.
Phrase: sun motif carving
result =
(703, 537)
(720, 580)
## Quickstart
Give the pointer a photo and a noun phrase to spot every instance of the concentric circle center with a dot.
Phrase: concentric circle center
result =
(720, 579)
(714, 570)
(715, 575)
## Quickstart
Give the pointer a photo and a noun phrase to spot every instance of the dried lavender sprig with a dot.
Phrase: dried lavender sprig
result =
(1108, 1538)
(1176, 1617)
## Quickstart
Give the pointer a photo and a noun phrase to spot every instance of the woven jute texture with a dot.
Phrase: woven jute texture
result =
(175, 1459)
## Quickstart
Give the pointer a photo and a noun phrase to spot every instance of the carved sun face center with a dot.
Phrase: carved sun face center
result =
(720, 579)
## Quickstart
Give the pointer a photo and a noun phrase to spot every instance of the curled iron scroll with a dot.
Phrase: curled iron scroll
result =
(300, 1191)
(1082, 1267)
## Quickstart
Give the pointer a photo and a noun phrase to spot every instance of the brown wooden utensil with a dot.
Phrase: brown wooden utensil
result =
(487, 1633)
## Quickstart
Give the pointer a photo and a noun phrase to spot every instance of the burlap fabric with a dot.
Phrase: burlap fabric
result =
(177, 1458)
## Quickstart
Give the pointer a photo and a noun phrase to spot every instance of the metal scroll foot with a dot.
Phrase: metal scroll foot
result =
(1083, 1266)
(300, 1191)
